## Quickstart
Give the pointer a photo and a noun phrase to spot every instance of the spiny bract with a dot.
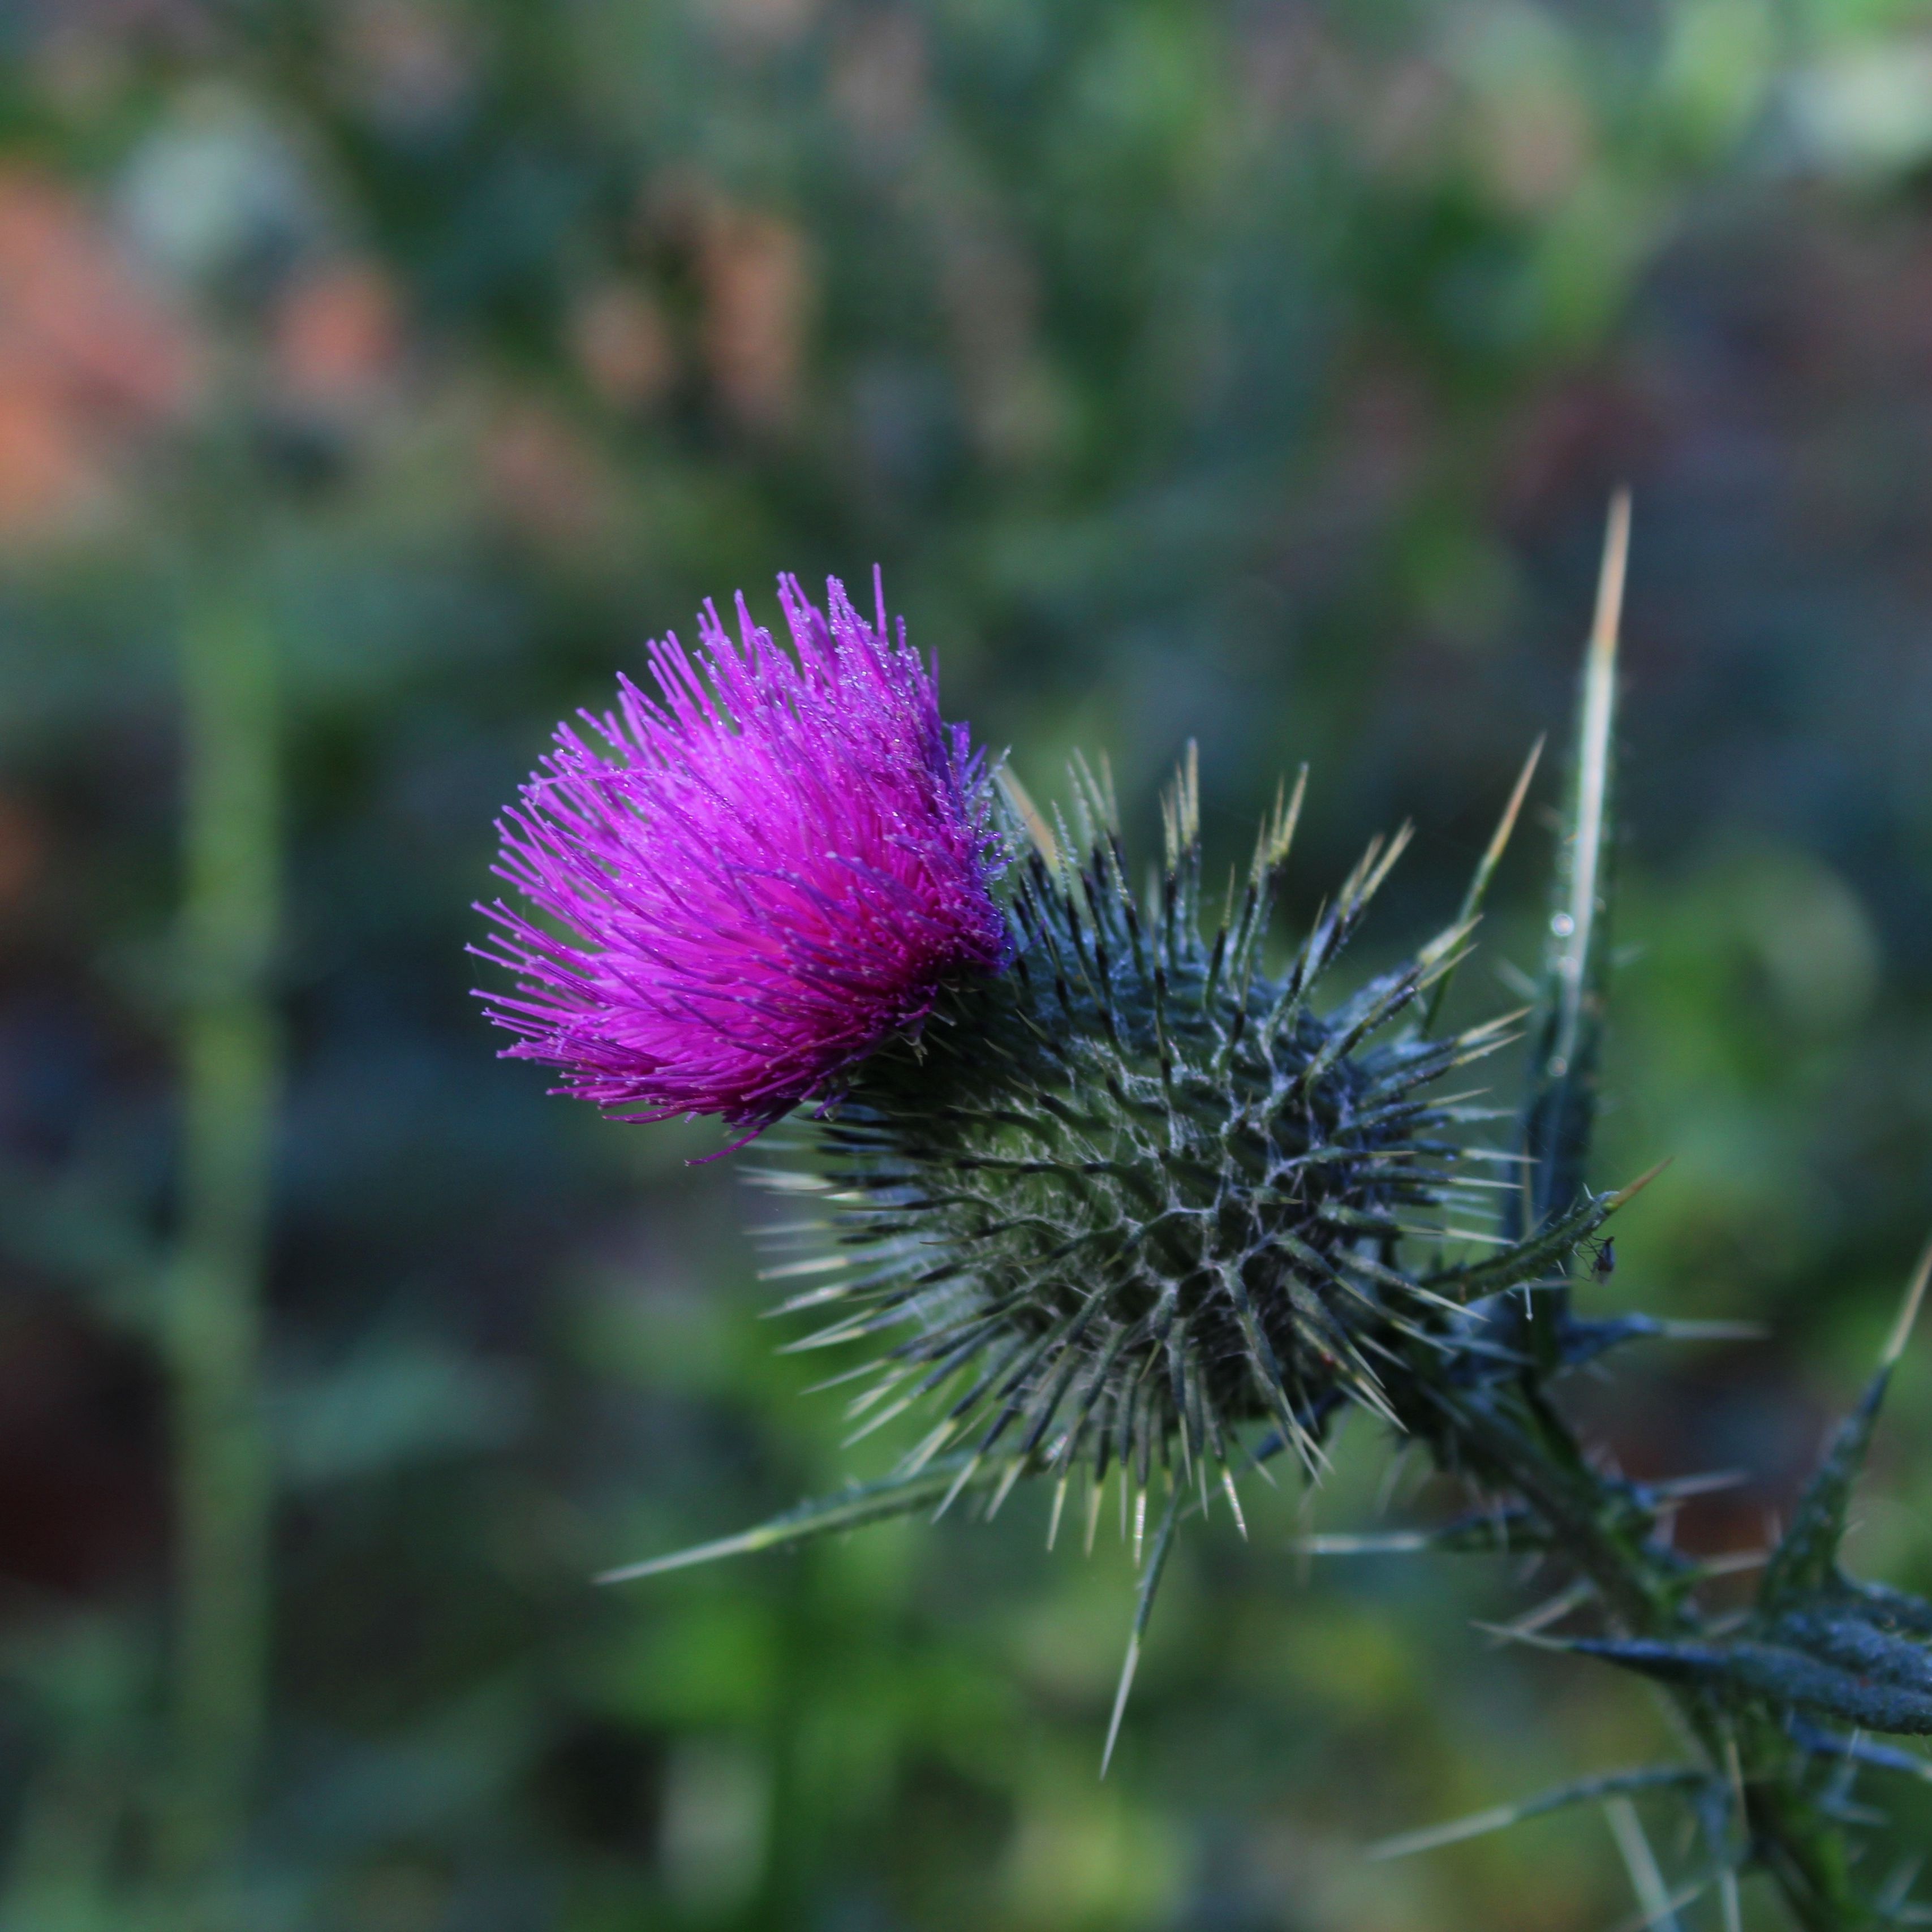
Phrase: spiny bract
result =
(1138, 1193)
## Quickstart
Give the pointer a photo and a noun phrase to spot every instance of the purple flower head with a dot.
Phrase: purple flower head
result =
(762, 874)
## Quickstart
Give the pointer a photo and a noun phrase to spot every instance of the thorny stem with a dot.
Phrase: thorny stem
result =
(1511, 1437)
(230, 1056)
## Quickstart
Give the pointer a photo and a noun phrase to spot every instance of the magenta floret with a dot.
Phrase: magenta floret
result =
(761, 875)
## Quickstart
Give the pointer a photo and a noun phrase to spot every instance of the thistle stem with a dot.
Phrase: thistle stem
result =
(230, 1062)
(1512, 1439)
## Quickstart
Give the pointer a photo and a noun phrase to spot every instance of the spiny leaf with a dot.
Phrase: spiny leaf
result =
(1778, 1674)
(1888, 1608)
(1559, 1107)
(1479, 885)
(1611, 1784)
(1861, 1750)
(1807, 1558)
(1533, 1258)
(1150, 1582)
(862, 1503)
(1807, 1554)
(1836, 1630)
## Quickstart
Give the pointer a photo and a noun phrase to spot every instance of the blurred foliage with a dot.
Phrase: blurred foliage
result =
(1255, 371)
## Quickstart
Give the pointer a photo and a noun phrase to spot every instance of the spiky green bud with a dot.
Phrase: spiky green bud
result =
(1140, 1192)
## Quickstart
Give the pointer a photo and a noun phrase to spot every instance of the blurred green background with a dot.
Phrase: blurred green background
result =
(375, 376)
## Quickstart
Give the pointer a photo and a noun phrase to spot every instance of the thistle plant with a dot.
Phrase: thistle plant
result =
(1108, 1196)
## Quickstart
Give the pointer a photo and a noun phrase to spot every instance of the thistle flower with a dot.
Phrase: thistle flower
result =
(762, 875)
(1135, 1200)
(1144, 1210)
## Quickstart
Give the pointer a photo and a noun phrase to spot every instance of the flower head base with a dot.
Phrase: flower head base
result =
(763, 874)
(1142, 1198)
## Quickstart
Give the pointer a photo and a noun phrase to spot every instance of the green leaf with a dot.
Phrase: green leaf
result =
(1515, 1265)
(1806, 1560)
(1560, 1101)
(1836, 1630)
(1784, 1676)
(1807, 1556)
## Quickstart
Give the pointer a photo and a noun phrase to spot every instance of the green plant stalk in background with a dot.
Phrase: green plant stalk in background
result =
(231, 1051)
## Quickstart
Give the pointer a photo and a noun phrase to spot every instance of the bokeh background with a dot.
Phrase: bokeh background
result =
(375, 376)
